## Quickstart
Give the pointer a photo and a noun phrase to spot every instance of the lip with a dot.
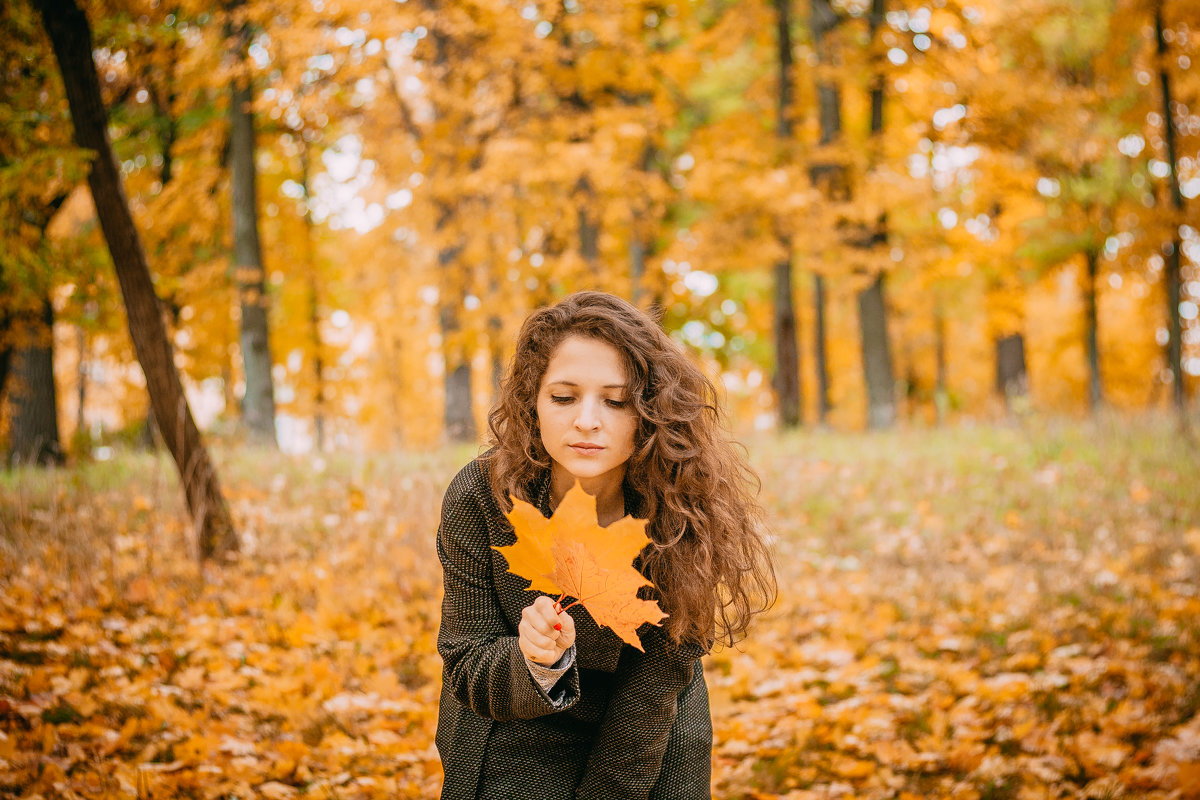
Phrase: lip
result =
(586, 448)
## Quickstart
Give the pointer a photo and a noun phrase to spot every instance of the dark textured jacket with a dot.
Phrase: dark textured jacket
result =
(630, 724)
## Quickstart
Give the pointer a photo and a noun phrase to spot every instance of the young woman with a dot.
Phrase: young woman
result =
(548, 706)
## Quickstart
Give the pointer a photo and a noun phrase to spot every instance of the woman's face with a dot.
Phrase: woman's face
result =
(586, 418)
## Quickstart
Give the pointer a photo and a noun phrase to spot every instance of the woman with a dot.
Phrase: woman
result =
(547, 706)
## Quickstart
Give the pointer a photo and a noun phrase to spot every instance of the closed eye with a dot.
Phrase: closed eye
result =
(560, 399)
(617, 403)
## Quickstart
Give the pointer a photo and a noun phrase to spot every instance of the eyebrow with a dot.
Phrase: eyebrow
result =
(576, 385)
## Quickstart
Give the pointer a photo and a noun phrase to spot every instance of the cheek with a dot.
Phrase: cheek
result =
(544, 419)
(630, 434)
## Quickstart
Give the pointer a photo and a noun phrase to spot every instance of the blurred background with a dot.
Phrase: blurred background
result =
(854, 214)
(968, 227)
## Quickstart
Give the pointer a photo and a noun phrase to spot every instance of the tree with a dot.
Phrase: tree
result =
(70, 34)
(787, 352)
(872, 306)
(1173, 276)
(829, 176)
(34, 433)
(258, 405)
(39, 165)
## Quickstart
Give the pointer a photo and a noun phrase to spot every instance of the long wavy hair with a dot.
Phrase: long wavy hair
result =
(708, 555)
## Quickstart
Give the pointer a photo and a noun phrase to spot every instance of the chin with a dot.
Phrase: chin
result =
(585, 470)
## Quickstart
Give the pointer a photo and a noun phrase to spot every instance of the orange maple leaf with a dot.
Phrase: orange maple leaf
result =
(571, 555)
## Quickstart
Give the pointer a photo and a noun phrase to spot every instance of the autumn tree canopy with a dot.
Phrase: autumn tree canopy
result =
(1007, 174)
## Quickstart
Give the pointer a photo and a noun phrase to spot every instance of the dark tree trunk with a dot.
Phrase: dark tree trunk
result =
(787, 357)
(1012, 379)
(495, 326)
(822, 358)
(81, 377)
(458, 423)
(148, 438)
(459, 419)
(33, 399)
(637, 268)
(168, 130)
(831, 179)
(640, 244)
(1091, 330)
(314, 302)
(1173, 274)
(872, 306)
(5, 350)
(314, 325)
(877, 357)
(72, 39)
(941, 395)
(787, 350)
(258, 404)
(589, 226)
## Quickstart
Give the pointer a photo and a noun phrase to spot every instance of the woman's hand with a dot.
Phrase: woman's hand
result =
(539, 640)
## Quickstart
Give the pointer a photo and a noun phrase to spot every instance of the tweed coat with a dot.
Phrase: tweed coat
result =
(618, 724)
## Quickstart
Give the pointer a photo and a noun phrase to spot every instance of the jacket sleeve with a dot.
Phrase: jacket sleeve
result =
(628, 752)
(482, 664)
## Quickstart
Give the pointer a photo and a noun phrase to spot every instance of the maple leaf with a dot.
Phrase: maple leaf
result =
(571, 555)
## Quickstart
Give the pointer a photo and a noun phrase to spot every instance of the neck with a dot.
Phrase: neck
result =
(607, 489)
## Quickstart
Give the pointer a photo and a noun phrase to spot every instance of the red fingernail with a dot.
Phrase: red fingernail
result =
(558, 626)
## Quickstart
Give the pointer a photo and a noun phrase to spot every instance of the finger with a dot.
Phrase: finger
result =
(535, 637)
(540, 650)
(564, 631)
(546, 610)
(532, 617)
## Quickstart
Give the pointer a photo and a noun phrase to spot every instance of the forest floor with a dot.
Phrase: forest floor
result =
(980, 612)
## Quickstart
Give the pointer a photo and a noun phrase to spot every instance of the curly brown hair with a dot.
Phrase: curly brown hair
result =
(708, 555)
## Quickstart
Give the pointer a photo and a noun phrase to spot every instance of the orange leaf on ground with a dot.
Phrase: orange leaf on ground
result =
(570, 554)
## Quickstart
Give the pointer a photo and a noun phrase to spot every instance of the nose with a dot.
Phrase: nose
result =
(588, 418)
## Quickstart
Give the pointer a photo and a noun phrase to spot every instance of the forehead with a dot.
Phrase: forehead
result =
(588, 361)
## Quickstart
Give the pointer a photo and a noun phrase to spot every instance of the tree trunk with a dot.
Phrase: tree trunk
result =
(1173, 275)
(876, 355)
(941, 395)
(640, 242)
(822, 358)
(6, 349)
(168, 130)
(1091, 333)
(258, 404)
(314, 304)
(787, 350)
(314, 325)
(831, 179)
(872, 307)
(637, 267)
(72, 39)
(81, 377)
(1012, 380)
(33, 400)
(589, 227)
(459, 419)
(787, 357)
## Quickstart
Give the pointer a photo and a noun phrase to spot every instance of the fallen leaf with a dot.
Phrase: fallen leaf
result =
(1189, 780)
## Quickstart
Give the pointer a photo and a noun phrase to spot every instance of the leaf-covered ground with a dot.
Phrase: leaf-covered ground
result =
(984, 613)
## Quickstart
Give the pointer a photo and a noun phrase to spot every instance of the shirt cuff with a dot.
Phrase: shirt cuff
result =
(546, 676)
